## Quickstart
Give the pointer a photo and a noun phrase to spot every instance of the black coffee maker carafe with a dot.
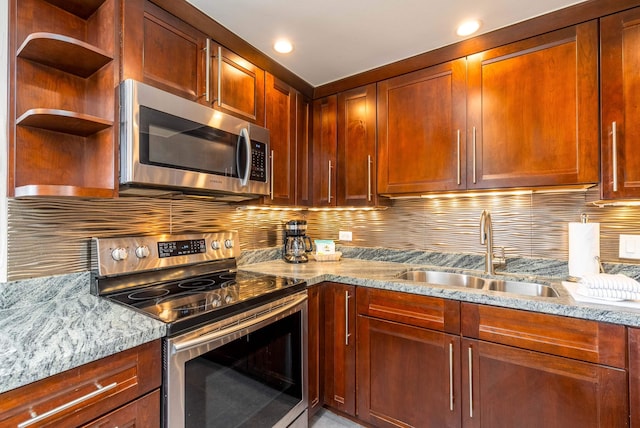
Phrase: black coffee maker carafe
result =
(296, 242)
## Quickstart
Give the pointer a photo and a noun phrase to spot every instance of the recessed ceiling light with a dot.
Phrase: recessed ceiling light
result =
(283, 46)
(468, 27)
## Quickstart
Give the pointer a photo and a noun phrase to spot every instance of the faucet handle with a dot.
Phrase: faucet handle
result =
(501, 259)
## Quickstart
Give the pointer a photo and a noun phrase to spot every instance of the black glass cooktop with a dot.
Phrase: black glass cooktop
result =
(187, 303)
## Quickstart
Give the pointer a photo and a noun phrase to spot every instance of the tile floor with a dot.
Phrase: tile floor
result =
(326, 419)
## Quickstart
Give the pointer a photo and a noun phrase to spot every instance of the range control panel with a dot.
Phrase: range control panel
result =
(130, 254)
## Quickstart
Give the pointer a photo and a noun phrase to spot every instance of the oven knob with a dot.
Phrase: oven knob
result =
(215, 245)
(228, 299)
(228, 243)
(142, 252)
(119, 254)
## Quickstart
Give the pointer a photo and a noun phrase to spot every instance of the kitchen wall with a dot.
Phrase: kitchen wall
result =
(51, 236)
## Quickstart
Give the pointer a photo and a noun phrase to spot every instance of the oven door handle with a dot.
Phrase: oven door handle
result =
(186, 344)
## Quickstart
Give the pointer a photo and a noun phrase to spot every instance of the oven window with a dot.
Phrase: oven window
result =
(252, 381)
(174, 142)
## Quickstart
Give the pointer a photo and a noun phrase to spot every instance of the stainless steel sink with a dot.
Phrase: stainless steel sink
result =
(469, 281)
(443, 278)
(522, 288)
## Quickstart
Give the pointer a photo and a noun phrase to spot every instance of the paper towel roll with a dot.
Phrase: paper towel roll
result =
(584, 247)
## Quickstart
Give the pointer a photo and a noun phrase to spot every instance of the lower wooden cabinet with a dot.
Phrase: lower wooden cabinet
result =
(633, 339)
(340, 347)
(315, 340)
(99, 389)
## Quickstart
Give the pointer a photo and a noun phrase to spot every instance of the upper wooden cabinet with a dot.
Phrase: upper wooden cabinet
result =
(168, 53)
(324, 151)
(62, 83)
(620, 98)
(533, 111)
(238, 86)
(356, 156)
(287, 118)
(421, 130)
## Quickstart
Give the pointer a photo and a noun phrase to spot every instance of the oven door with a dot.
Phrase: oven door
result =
(247, 370)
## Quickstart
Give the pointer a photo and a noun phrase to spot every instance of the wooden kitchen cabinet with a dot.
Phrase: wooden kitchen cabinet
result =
(324, 151)
(62, 78)
(287, 118)
(114, 389)
(633, 340)
(533, 111)
(421, 130)
(163, 51)
(315, 348)
(356, 154)
(408, 359)
(529, 370)
(238, 85)
(620, 104)
(340, 347)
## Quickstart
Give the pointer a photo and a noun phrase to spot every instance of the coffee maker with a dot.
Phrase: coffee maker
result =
(296, 242)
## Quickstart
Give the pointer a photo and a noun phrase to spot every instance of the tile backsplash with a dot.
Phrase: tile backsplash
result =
(51, 236)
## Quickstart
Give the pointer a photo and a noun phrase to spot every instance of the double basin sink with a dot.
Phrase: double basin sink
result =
(469, 281)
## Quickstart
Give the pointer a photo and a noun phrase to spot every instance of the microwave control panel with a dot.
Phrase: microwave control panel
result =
(258, 161)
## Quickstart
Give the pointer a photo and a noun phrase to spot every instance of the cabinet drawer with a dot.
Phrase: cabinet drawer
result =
(80, 395)
(420, 311)
(144, 412)
(584, 340)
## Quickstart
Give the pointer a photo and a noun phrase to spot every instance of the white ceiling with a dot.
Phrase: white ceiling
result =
(338, 38)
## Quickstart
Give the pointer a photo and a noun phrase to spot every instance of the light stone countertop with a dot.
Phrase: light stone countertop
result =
(49, 325)
(383, 275)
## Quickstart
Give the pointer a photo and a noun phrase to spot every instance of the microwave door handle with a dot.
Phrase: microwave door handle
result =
(244, 139)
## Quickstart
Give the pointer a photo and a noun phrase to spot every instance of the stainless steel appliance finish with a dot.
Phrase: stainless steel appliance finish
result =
(168, 142)
(231, 335)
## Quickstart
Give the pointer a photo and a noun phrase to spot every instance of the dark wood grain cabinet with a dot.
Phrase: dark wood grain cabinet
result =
(64, 69)
(408, 360)
(340, 347)
(620, 99)
(287, 118)
(422, 129)
(122, 389)
(533, 111)
(168, 53)
(633, 340)
(324, 151)
(315, 348)
(529, 370)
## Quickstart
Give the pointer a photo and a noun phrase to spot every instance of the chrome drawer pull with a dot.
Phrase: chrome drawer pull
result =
(451, 376)
(37, 418)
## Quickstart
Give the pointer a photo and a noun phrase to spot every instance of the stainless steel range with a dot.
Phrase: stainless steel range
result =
(236, 349)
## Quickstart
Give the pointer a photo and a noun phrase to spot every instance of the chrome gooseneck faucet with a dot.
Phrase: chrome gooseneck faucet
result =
(486, 238)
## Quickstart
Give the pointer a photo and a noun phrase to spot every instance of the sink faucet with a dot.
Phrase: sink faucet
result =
(486, 238)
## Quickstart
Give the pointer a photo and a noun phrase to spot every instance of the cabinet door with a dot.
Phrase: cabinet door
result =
(620, 95)
(142, 413)
(303, 150)
(238, 87)
(316, 339)
(356, 168)
(421, 130)
(325, 144)
(511, 387)
(281, 122)
(407, 376)
(533, 111)
(634, 375)
(340, 347)
(163, 51)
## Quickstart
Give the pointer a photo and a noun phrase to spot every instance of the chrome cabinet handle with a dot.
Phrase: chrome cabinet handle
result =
(271, 175)
(35, 418)
(459, 172)
(474, 155)
(207, 93)
(329, 192)
(470, 382)
(614, 154)
(219, 97)
(451, 376)
(369, 178)
(346, 318)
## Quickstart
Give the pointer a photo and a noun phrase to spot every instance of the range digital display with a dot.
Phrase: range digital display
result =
(181, 248)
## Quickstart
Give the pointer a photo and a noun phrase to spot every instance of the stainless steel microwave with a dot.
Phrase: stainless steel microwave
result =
(170, 143)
